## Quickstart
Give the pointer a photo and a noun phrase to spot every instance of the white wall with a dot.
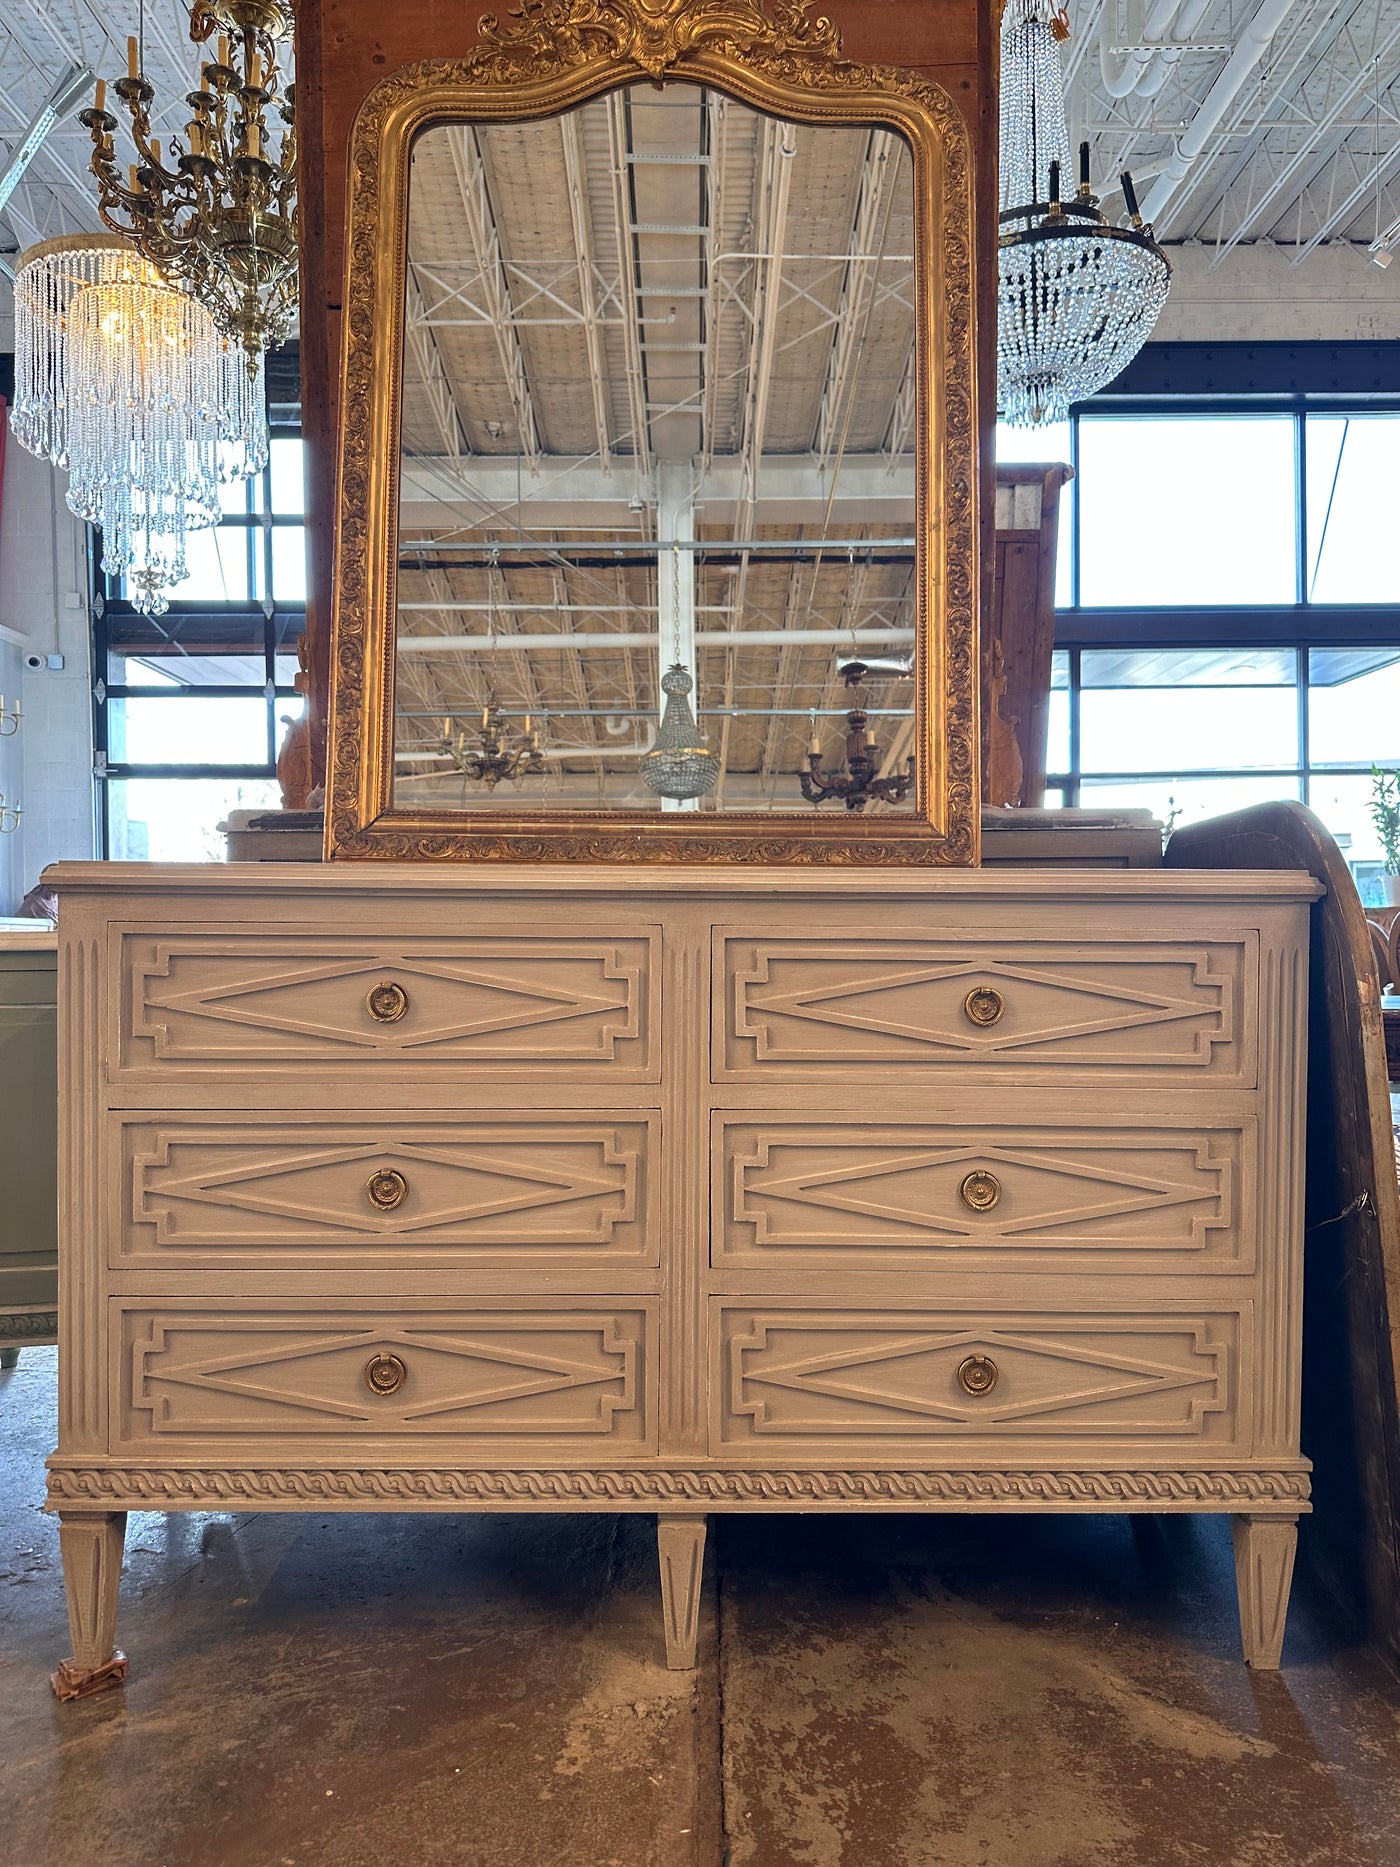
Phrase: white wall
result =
(1255, 296)
(43, 611)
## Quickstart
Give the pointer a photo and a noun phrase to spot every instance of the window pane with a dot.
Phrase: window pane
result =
(187, 729)
(1342, 803)
(289, 564)
(1057, 736)
(1148, 710)
(1188, 509)
(177, 819)
(1354, 707)
(1175, 801)
(287, 629)
(288, 482)
(1175, 667)
(184, 651)
(1353, 474)
(217, 559)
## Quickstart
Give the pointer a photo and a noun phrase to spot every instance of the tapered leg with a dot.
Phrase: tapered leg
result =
(91, 1542)
(680, 1543)
(1264, 1548)
(9, 1357)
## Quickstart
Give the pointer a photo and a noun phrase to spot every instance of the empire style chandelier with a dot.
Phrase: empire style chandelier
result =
(216, 212)
(1078, 295)
(125, 382)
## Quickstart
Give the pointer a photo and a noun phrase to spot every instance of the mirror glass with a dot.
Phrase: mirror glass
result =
(658, 409)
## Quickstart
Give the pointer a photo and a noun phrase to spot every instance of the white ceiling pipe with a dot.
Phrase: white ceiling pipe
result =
(637, 638)
(1253, 42)
(1125, 72)
(1169, 56)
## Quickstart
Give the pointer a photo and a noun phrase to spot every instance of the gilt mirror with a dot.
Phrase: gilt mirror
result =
(657, 528)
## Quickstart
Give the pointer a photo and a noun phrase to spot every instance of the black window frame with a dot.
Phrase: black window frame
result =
(280, 623)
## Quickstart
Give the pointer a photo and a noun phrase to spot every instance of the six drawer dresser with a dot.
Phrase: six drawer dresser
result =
(678, 1191)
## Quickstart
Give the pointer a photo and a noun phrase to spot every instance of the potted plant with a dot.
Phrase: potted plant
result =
(1385, 816)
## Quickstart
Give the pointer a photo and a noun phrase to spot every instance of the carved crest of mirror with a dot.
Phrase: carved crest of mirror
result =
(659, 369)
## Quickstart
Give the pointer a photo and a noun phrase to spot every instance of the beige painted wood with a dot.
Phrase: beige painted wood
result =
(680, 1544)
(1264, 1551)
(680, 1192)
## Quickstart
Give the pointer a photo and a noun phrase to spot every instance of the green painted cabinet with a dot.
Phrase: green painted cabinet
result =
(28, 1140)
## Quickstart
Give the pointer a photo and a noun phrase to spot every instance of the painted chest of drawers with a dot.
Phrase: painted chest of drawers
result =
(679, 1191)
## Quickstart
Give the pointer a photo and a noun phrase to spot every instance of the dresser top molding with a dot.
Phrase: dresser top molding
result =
(365, 881)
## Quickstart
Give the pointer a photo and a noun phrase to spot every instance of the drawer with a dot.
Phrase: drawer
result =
(1038, 1011)
(561, 1379)
(795, 1378)
(535, 1190)
(1129, 1196)
(516, 1004)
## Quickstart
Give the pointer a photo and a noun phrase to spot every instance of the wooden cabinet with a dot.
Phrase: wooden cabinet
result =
(28, 1140)
(680, 1191)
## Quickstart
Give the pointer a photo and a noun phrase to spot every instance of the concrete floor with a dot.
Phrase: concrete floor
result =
(488, 1692)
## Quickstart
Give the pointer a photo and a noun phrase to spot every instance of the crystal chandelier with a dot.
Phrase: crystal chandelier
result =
(1078, 296)
(216, 213)
(494, 758)
(125, 382)
(680, 765)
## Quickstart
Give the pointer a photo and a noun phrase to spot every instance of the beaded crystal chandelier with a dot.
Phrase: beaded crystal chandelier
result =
(216, 212)
(1078, 296)
(125, 382)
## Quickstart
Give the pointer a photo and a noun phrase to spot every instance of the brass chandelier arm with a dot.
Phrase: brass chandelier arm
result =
(216, 213)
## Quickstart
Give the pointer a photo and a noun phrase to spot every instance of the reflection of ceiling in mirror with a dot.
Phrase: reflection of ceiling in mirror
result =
(662, 316)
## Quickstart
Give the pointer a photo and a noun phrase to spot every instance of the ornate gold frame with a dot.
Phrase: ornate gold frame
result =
(548, 56)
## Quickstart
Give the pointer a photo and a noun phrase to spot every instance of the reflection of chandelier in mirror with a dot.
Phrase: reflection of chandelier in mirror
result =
(859, 784)
(494, 758)
(218, 213)
(1078, 296)
(125, 381)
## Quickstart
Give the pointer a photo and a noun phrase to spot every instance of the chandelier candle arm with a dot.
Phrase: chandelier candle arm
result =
(220, 217)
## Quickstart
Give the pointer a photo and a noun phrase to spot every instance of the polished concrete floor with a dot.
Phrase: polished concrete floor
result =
(332, 1691)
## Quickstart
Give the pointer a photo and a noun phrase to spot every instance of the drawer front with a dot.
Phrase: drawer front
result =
(512, 1004)
(558, 1379)
(799, 1379)
(543, 1191)
(1043, 1011)
(1134, 1197)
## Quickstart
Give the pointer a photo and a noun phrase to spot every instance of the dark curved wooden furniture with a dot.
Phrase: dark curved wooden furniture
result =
(1351, 1341)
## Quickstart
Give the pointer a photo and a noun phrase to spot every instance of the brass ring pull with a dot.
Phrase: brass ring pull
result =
(977, 1375)
(983, 1005)
(387, 1188)
(385, 1374)
(387, 1002)
(980, 1191)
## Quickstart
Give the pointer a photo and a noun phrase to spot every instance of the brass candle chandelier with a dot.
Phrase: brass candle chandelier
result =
(216, 212)
(494, 759)
(859, 783)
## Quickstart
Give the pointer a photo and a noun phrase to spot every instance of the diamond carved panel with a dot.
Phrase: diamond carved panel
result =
(539, 1189)
(832, 1005)
(843, 1195)
(505, 1002)
(813, 1375)
(520, 1374)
